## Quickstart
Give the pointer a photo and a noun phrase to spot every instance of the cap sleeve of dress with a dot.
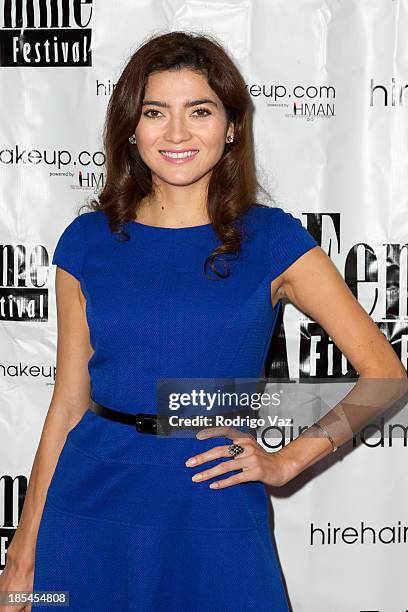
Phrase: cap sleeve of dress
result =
(68, 253)
(288, 240)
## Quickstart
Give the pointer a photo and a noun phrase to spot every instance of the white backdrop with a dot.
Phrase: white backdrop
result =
(327, 80)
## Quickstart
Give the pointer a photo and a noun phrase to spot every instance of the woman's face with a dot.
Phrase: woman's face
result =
(181, 113)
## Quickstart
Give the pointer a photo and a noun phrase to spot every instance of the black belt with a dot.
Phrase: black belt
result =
(147, 422)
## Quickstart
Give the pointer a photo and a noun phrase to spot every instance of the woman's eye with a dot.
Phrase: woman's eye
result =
(152, 110)
(204, 110)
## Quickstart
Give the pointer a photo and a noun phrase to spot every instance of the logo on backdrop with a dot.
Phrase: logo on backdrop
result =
(358, 534)
(307, 102)
(387, 94)
(23, 283)
(84, 166)
(318, 355)
(43, 33)
(380, 434)
(12, 496)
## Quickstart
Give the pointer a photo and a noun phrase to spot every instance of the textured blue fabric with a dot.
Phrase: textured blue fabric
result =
(124, 527)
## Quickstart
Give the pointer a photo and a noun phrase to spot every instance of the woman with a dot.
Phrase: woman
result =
(112, 514)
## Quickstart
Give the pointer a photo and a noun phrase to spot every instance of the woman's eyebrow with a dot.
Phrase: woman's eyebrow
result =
(187, 104)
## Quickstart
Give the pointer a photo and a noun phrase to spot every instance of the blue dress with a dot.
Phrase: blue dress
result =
(124, 527)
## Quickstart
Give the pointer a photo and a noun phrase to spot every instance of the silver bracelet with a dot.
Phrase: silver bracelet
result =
(326, 433)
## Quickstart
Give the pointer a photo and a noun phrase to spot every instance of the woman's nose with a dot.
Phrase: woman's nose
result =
(177, 129)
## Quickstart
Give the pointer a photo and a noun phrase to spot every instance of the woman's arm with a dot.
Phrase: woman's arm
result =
(314, 285)
(69, 401)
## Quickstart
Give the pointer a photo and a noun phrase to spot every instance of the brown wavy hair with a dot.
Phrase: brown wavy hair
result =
(233, 184)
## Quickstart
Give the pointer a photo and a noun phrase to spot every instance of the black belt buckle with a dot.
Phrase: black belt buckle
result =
(152, 423)
(146, 423)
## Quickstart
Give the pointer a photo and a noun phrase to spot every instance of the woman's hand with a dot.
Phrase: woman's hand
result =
(16, 579)
(256, 463)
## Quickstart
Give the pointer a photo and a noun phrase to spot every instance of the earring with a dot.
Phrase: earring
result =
(230, 139)
(132, 139)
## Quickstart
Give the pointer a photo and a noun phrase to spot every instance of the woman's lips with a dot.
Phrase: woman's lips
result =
(178, 160)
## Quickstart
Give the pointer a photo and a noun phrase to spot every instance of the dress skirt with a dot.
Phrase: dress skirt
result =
(124, 528)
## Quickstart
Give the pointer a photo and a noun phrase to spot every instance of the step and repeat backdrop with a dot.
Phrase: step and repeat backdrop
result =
(328, 81)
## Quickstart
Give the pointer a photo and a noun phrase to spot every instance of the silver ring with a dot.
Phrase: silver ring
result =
(235, 449)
